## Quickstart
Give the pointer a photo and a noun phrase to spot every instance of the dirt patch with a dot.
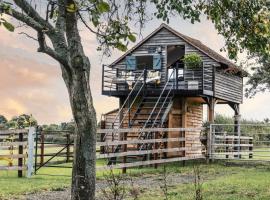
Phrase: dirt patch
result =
(143, 182)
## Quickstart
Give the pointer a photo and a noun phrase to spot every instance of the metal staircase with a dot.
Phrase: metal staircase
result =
(150, 112)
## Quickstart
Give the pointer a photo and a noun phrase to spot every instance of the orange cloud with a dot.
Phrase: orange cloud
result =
(12, 107)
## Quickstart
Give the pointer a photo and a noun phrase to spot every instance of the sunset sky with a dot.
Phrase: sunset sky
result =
(31, 82)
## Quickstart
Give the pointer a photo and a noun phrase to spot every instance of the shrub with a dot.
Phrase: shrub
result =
(192, 60)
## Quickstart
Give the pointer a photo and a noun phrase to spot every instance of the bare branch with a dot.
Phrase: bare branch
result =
(27, 35)
(87, 26)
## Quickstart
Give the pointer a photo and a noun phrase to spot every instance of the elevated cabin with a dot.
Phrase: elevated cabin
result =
(156, 89)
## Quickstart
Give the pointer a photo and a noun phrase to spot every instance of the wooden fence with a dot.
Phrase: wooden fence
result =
(244, 142)
(13, 148)
(171, 150)
(25, 149)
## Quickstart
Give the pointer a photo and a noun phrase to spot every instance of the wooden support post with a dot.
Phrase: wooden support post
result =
(211, 110)
(42, 140)
(20, 159)
(210, 118)
(237, 132)
(184, 125)
(68, 148)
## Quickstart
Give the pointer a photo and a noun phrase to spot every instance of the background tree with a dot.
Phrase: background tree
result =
(244, 25)
(3, 122)
(22, 121)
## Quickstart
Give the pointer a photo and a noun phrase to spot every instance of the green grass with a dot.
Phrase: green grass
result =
(221, 182)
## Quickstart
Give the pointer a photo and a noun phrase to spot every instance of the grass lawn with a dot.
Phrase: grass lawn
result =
(220, 182)
(233, 183)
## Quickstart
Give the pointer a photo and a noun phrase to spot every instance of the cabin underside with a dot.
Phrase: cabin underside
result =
(180, 112)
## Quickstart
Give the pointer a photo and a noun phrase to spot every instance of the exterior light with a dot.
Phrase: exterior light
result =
(159, 49)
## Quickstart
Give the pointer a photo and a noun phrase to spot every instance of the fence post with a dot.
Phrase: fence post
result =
(20, 156)
(237, 132)
(227, 147)
(102, 135)
(124, 170)
(250, 155)
(209, 144)
(42, 140)
(156, 147)
(68, 148)
(30, 160)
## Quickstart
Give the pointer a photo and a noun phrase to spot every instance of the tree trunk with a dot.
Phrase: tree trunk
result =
(84, 174)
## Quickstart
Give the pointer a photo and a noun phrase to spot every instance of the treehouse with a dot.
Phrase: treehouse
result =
(163, 81)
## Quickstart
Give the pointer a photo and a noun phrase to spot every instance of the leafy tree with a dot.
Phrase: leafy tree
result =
(3, 119)
(22, 121)
(259, 79)
(3, 122)
(109, 20)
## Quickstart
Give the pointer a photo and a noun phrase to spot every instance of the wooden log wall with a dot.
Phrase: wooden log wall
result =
(194, 117)
(111, 123)
(185, 113)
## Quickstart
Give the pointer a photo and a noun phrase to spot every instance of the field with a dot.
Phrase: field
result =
(220, 181)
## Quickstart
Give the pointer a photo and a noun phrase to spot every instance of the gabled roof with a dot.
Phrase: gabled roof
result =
(193, 42)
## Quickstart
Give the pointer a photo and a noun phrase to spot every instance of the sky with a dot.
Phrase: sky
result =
(31, 82)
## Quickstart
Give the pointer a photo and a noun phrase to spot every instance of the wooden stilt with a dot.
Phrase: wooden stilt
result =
(210, 118)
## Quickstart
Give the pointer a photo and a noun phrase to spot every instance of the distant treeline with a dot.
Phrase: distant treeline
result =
(25, 120)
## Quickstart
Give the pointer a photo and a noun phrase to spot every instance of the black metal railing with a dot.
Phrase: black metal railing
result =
(117, 80)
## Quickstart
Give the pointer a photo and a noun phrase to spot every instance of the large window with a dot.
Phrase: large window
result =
(144, 62)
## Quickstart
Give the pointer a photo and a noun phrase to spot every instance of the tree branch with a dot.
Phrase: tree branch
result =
(25, 19)
(45, 49)
(31, 12)
(27, 35)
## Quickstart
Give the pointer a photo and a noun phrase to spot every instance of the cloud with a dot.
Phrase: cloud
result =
(31, 82)
(12, 107)
(64, 112)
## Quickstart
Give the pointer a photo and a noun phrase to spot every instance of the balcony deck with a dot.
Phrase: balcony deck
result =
(190, 82)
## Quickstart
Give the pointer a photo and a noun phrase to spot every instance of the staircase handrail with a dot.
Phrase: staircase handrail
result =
(129, 95)
(163, 90)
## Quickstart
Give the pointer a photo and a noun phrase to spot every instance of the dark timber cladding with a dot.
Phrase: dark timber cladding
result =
(228, 87)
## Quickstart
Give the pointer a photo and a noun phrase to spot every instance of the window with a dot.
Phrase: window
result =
(144, 62)
(172, 73)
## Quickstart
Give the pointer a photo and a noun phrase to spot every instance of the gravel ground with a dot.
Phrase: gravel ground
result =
(143, 182)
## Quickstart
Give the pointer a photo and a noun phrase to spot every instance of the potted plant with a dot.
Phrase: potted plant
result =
(192, 61)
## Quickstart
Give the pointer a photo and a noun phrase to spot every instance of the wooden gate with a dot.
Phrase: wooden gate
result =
(53, 149)
(250, 142)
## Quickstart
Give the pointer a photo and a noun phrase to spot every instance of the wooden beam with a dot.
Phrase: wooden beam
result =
(144, 152)
(149, 162)
(134, 130)
(135, 141)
